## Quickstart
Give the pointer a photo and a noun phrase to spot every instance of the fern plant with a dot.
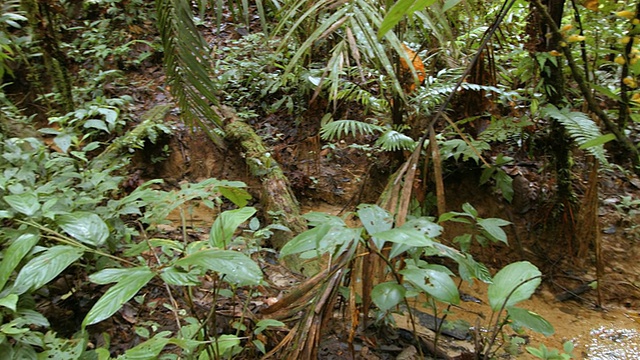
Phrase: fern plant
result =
(582, 129)
(388, 140)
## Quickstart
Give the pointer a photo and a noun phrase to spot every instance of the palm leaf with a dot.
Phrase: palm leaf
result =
(340, 128)
(188, 68)
(393, 141)
(580, 127)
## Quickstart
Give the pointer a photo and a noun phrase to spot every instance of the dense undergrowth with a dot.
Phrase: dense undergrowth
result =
(67, 218)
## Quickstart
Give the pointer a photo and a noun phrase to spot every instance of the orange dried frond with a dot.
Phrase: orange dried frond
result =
(591, 4)
(418, 65)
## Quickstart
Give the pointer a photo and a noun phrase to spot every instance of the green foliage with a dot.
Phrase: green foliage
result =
(544, 353)
(10, 17)
(480, 230)
(582, 129)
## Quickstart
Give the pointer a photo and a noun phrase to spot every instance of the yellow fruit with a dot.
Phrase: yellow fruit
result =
(625, 39)
(619, 60)
(626, 14)
(636, 98)
(635, 21)
(575, 38)
(555, 53)
(630, 82)
(567, 27)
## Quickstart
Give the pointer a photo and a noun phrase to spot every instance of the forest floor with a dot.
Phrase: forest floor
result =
(335, 179)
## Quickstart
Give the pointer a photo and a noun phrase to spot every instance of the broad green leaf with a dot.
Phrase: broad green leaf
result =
(514, 283)
(45, 267)
(26, 203)
(425, 226)
(398, 11)
(236, 267)
(448, 4)
(266, 323)
(149, 349)
(405, 236)
(19, 247)
(110, 115)
(226, 224)
(64, 349)
(174, 276)
(224, 345)
(530, 320)
(375, 219)
(338, 237)
(600, 140)
(493, 228)
(435, 283)
(470, 210)
(63, 141)
(33, 317)
(305, 241)
(96, 124)
(236, 195)
(127, 287)
(319, 218)
(470, 269)
(387, 295)
(85, 227)
(10, 302)
(107, 276)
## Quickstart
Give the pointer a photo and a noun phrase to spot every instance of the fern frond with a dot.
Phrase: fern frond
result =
(188, 68)
(393, 140)
(341, 128)
(580, 127)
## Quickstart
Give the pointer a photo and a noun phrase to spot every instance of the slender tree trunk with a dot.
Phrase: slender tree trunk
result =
(553, 79)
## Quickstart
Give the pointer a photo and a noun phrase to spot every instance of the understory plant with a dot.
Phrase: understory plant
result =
(412, 269)
(66, 220)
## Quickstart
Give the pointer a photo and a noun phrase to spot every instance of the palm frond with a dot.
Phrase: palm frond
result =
(339, 128)
(580, 127)
(393, 141)
(188, 68)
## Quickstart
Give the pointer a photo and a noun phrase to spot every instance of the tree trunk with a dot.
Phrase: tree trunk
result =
(277, 198)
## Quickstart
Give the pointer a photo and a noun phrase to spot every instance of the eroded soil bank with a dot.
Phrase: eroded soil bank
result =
(335, 179)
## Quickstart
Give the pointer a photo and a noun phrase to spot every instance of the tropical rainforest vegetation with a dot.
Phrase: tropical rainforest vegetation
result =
(422, 90)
